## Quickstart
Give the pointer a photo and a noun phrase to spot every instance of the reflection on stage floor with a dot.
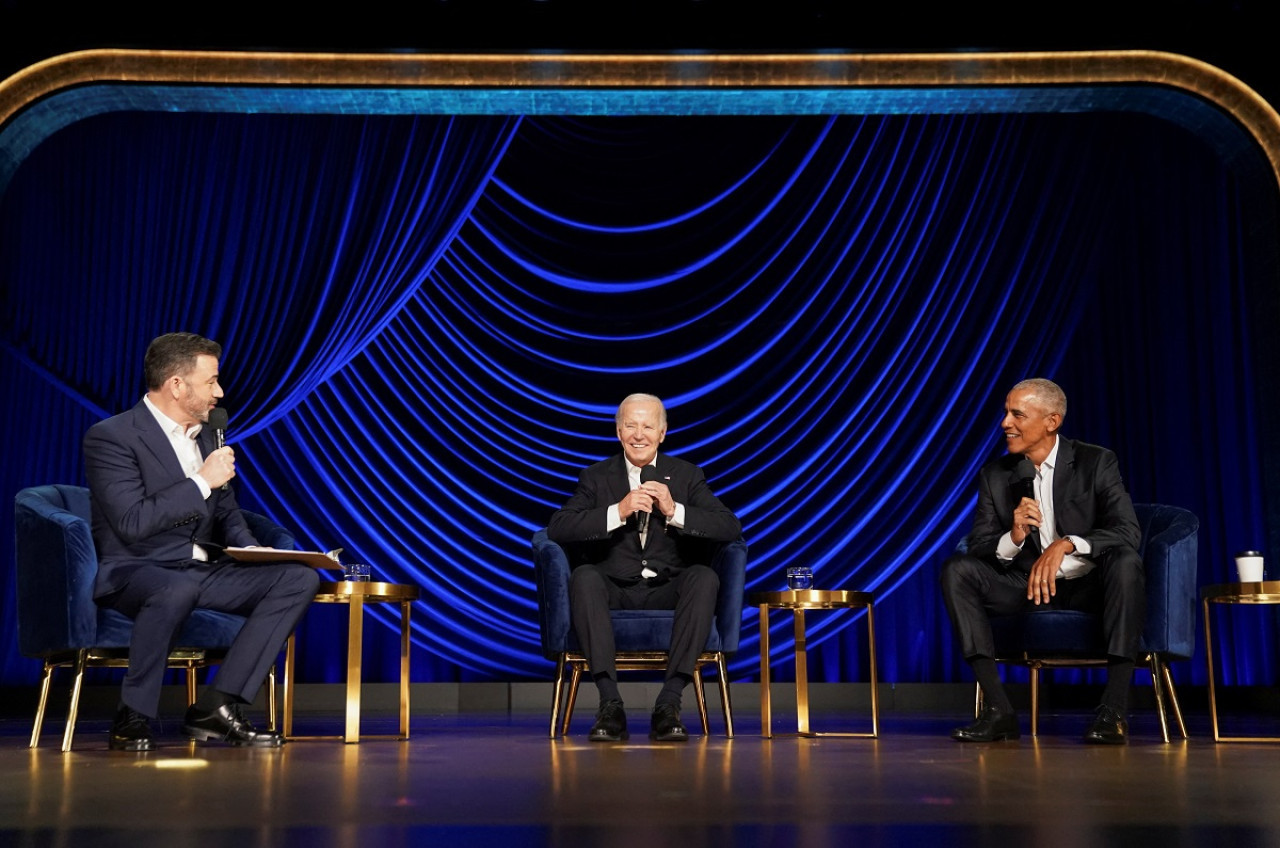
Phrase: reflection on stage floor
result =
(496, 779)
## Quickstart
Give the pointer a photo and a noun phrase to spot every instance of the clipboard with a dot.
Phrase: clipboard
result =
(263, 556)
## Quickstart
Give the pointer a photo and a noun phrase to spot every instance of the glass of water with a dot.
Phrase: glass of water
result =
(799, 577)
(355, 571)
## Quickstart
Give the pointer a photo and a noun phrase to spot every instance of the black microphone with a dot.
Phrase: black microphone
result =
(1025, 471)
(218, 421)
(646, 474)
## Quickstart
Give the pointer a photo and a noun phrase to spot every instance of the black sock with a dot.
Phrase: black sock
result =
(1119, 676)
(608, 688)
(984, 668)
(672, 689)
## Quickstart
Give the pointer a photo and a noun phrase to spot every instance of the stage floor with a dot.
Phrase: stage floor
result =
(498, 780)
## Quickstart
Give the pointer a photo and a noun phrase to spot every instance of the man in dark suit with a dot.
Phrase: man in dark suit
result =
(642, 521)
(158, 484)
(1054, 526)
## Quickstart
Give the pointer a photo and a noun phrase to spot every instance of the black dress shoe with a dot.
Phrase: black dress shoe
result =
(991, 726)
(131, 731)
(611, 723)
(227, 724)
(665, 725)
(1109, 728)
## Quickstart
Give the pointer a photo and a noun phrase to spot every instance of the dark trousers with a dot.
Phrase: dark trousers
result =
(691, 593)
(975, 590)
(159, 599)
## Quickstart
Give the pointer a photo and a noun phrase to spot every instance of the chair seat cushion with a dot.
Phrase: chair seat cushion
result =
(642, 630)
(204, 629)
(1048, 633)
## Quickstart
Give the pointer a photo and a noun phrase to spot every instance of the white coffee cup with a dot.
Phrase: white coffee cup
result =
(1249, 566)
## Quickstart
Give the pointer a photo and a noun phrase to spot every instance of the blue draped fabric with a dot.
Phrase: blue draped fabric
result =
(428, 322)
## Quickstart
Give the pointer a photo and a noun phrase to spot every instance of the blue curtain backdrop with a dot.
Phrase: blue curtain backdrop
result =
(428, 322)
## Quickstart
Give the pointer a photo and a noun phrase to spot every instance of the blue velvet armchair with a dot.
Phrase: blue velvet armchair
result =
(642, 636)
(58, 621)
(1050, 638)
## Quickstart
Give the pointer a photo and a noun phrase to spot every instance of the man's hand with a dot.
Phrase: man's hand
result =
(219, 467)
(637, 500)
(661, 496)
(1043, 582)
(1026, 520)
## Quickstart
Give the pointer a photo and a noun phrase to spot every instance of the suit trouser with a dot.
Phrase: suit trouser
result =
(159, 599)
(691, 593)
(976, 590)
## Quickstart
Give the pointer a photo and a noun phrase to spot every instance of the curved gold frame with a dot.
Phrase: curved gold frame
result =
(834, 70)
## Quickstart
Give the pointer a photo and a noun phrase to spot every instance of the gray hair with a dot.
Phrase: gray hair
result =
(640, 397)
(1048, 394)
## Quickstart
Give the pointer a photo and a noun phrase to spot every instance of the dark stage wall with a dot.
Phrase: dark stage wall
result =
(429, 320)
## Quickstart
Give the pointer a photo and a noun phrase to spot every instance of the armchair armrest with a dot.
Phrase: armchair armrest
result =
(730, 563)
(56, 568)
(268, 533)
(551, 579)
(1170, 563)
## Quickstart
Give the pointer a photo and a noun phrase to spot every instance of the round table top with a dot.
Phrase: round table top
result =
(369, 591)
(811, 599)
(1264, 592)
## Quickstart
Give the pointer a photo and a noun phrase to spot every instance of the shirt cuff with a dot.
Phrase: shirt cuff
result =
(611, 520)
(1083, 548)
(1006, 548)
(205, 490)
(677, 518)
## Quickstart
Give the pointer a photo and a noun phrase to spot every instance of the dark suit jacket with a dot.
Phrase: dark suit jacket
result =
(1089, 500)
(145, 510)
(580, 524)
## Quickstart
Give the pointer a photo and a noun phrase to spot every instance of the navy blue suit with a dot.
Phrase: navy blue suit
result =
(147, 514)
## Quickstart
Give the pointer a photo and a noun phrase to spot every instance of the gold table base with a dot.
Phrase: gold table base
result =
(1265, 592)
(356, 595)
(798, 601)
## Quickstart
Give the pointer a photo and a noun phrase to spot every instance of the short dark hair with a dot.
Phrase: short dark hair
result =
(175, 354)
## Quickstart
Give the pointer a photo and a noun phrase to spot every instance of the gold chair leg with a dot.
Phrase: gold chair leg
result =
(978, 700)
(82, 657)
(1173, 698)
(574, 680)
(557, 692)
(271, 698)
(45, 680)
(722, 671)
(191, 684)
(1153, 662)
(702, 700)
(1035, 700)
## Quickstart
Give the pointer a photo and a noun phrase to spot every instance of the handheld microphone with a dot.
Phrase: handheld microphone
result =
(1025, 471)
(218, 421)
(646, 474)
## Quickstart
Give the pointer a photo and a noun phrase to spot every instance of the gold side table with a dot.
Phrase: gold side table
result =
(356, 595)
(1265, 592)
(799, 600)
